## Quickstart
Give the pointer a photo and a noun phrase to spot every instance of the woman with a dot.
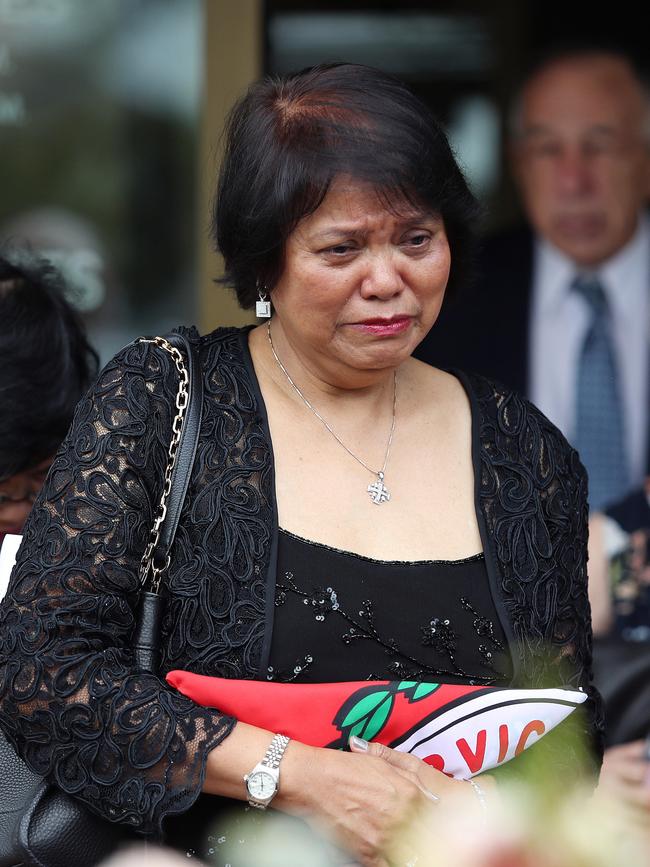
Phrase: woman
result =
(45, 366)
(444, 515)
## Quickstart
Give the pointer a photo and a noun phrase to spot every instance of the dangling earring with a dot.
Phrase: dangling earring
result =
(262, 305)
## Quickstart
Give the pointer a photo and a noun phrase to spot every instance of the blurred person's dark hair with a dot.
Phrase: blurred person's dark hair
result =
(46, 363)
(289, 137)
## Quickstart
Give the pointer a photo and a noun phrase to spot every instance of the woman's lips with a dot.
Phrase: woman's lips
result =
(380, 327)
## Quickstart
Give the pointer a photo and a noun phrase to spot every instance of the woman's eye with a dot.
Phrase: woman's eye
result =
(417, 240)
(339, 249)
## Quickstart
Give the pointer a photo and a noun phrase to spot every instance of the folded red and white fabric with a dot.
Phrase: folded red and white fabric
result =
(461, 730)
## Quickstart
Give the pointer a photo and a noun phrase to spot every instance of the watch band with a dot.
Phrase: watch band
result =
(268, 767)
(275, 751)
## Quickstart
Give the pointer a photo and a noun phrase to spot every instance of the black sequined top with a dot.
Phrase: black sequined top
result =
(341, 616)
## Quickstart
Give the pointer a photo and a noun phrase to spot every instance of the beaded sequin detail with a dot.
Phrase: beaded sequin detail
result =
(360, 625)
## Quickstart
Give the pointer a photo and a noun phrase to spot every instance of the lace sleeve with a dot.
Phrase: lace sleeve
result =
(534, 498)
(573, 751)
(70, 699)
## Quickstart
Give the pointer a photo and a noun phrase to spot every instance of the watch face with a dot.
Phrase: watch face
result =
(261, 785)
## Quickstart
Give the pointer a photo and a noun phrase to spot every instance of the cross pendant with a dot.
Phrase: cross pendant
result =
(378, 491)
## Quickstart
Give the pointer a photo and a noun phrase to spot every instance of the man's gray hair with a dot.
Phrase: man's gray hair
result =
(576, 52)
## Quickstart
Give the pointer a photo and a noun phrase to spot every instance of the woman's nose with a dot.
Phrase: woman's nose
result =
(383, 279)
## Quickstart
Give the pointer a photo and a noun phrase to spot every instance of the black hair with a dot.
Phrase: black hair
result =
(289, 137)
(46, 363)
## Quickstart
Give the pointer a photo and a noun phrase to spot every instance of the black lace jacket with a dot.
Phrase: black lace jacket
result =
(122, 741)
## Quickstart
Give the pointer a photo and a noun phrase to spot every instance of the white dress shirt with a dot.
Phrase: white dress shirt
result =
(560, 318)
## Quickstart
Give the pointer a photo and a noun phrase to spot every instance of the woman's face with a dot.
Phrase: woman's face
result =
(361, 285)
(17, 495)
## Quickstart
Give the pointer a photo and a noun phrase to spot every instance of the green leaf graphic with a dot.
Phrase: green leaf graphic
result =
(378, 719)
(406, 684)
(364, 707)
(423, 690)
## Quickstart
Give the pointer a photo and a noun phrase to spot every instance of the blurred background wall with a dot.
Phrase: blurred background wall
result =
(111, 110)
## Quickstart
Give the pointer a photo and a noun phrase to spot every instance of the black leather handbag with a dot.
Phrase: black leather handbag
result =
(41, 826)
(622, 676)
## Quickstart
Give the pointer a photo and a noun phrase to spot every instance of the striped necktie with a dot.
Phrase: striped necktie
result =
(599, 432)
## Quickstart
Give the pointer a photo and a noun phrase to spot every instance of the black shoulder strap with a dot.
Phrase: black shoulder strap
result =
(186, 449)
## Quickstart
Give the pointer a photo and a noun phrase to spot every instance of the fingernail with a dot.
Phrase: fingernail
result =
(358, 743)
(431, 796)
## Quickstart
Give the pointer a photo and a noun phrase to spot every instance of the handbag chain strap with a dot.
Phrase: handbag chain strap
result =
(147, 564)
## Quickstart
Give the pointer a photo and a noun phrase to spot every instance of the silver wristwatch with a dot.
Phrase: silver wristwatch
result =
(263, 781)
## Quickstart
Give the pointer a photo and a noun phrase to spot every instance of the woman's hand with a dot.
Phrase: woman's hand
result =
(448, 794)
(370, 801)
(446, 791)
(625, 776)
(360, 799)
(375, 799)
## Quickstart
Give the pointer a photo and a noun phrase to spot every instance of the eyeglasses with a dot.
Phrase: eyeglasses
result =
(28, 496)
(25, 485)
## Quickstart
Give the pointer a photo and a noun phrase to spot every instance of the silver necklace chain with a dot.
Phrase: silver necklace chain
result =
(378, 491)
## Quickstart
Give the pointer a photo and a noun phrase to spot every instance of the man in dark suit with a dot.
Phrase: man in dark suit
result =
(486, 327)
(566, 300)
(561, 308)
